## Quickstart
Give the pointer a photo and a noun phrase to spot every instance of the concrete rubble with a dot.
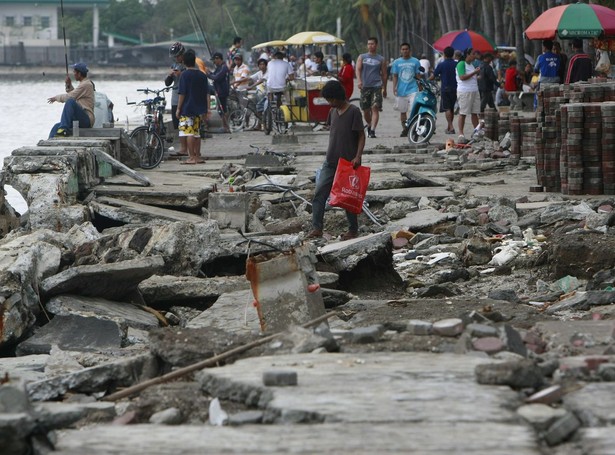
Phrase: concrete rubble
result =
(470, 307)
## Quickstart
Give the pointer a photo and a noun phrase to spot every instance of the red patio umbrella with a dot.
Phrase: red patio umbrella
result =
(462, 39)
(576, 20)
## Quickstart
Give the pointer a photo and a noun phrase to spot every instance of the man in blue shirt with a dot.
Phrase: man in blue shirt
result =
(445, 70)
(405, 70)
(547, 64)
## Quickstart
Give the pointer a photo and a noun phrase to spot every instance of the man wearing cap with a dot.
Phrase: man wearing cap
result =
(78, 103)
(580, 65)
(220, 78)
(241, 74)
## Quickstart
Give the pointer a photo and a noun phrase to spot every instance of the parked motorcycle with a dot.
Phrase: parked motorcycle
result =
(421, 121)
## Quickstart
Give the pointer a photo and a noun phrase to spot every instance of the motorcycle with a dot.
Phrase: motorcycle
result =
(421, 123)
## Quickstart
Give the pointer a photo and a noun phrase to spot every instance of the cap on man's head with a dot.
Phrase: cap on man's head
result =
(81, 67)
(217, 55)
(238, 57)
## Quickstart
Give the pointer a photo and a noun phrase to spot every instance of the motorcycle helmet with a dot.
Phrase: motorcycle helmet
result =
(176, 49)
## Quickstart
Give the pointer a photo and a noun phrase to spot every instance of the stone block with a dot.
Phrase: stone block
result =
(417, 327)
(490, 345)
(279, 378)
(230, 210)
(448, 327)
(562, 429)
(369, 334)
(74, 333)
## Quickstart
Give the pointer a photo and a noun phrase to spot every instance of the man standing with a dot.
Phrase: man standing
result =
(563, 61)
(220, 78)
(580, 65)
(405, 70)
(467, 91)
(346, 140)
(547, 64)
(241, 74)
(372, 82)
(278, 74)
(445, 70)
(487, 82)
(193, 104)
(78, 103)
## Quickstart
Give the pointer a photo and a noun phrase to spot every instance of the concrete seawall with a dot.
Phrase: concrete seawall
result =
(38, 73)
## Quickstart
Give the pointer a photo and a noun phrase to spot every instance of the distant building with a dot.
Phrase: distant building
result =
(31, 30)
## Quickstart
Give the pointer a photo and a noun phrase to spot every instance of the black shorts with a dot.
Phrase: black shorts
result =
(448, 98)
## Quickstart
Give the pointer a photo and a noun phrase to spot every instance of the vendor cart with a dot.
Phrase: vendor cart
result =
(304, 101)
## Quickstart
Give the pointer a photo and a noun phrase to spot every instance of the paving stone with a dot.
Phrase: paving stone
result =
(562, 429)
(490, 345)
(606, 371)
(482, 330)
(279, 378)
(519, 374)
(170, 416)
(369, 334)
(448, 327)
(417, 327)
(245, 418)
(540, 416)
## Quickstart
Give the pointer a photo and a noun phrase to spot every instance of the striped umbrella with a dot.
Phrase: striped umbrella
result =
(576, 20)
(462, 39)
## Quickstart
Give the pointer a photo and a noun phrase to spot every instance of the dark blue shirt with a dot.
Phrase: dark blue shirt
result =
(194, 86)
(220, 78)
(446, 71)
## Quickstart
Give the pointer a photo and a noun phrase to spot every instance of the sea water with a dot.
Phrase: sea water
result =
(27, 117)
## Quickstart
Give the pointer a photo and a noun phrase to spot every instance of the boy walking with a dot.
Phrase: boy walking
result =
(346, 140)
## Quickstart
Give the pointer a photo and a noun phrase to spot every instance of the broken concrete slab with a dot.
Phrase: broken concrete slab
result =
(408, 194)
(416, 179)
(121, 373)
(74, 333)
(224, 312)
(162, 290)
(344, 256)
(62, 415)
(129, 212)
(285, 288)
(113, 281)
(421, 220)
(27, 368)
(126, 313)
(355, 390)
(593, 404)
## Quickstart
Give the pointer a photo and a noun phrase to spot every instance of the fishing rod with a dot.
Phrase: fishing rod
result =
(424, 41)
(195, 18)
(64, 33)
(231, 18)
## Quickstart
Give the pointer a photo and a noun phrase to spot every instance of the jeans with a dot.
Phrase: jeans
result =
(71, 112)
(323, 188)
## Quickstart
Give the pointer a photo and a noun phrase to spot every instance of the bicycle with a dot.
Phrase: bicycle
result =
(151, 137)
(242, 112)
(273, 116)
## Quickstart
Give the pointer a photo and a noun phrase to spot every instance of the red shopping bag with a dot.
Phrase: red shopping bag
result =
(349, 186)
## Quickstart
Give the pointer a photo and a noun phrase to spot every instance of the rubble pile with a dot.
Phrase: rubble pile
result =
(512, 292)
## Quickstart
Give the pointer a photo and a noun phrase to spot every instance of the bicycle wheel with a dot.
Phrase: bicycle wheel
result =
(267, 120)
(250, 120)
(150, 146)
(279, 122)
(235, 120)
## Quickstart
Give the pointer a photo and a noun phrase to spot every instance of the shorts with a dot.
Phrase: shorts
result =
(448, 98)
(404, 103)
(469, 103)
(371, 97)
(189, 126)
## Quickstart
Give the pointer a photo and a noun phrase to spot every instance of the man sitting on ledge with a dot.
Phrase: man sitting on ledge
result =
(78, 103)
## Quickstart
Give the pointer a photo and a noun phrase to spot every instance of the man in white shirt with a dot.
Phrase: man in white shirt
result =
(241, 74)
(278, 73)
(468, 96)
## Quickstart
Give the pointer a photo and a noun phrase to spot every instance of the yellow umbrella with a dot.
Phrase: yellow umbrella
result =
(274, 43)
(305, 38)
